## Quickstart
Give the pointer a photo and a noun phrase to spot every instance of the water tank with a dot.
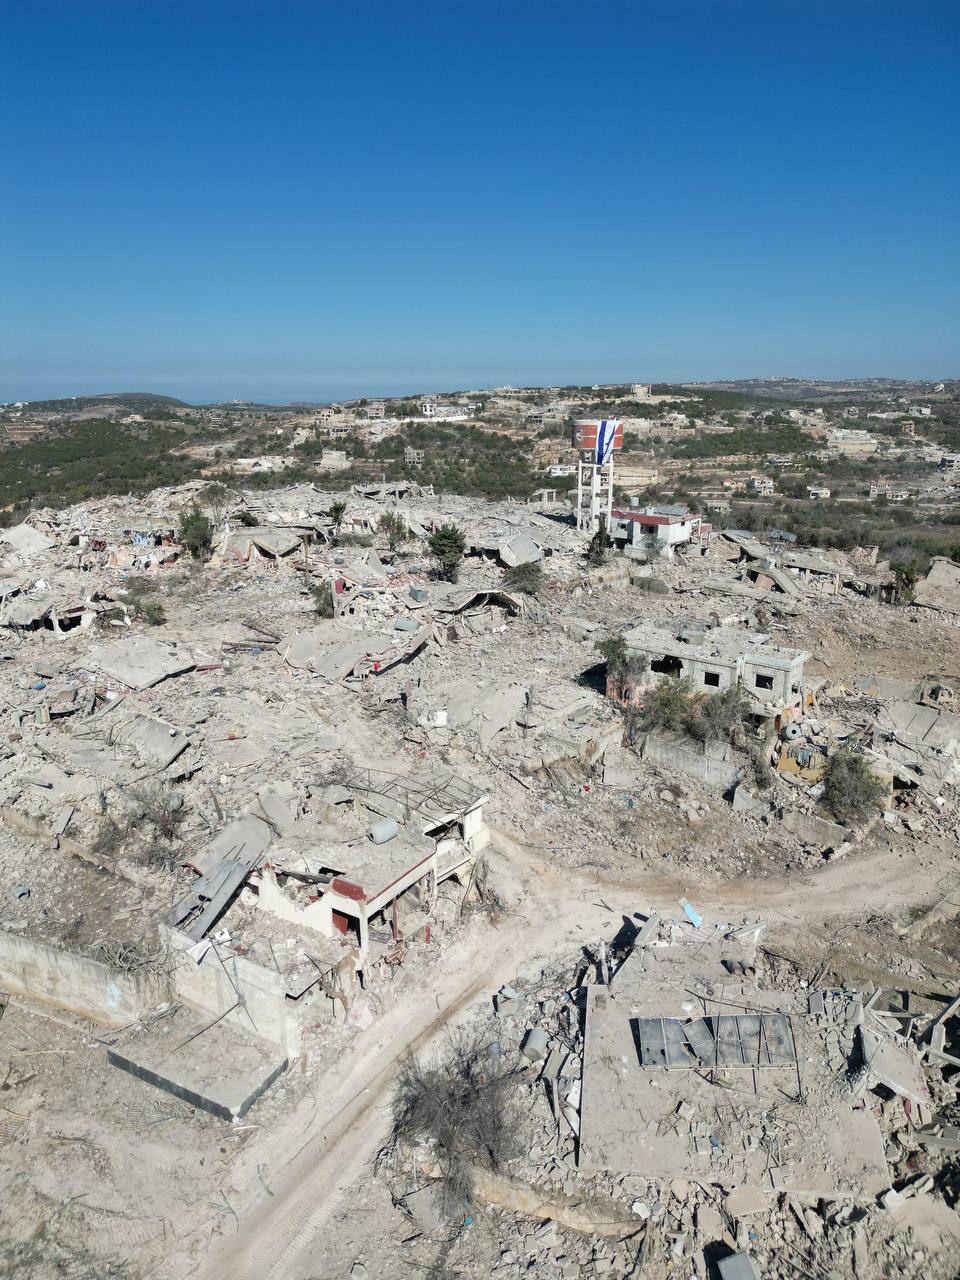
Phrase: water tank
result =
(587, 430)
(384, 829)
(792, 732)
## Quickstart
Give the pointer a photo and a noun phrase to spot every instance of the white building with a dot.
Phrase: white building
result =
(818, 491)
(558, 469)
(760, 484)
(443, 412)
(333, 460)
(804, 415)
(849, 440)
(641, 391)
(919, 410)
(658, 530)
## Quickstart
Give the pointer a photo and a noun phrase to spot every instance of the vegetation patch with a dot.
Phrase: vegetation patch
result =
(448, 545)
(851, 792)
(464, 1107)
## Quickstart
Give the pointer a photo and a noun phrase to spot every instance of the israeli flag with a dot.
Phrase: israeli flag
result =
(605, 433)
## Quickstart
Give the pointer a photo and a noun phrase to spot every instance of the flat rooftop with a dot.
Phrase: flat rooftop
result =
(725, 643)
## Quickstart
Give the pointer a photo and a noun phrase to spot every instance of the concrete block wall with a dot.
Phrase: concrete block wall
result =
(75, 982)
(212, 987)
(712, 762)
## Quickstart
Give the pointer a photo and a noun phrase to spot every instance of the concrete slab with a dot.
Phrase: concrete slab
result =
(738, 1266)
(716, 1126)
(222, 1070)
(894, 1066)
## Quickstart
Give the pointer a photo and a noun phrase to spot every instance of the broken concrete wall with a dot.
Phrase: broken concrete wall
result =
(76, 982)
(814, 830)
(244, 992)
(714, 763)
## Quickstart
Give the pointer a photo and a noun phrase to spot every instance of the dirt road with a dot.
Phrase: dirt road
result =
(312, 1159)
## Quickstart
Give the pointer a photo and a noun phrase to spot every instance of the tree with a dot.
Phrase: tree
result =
(338, 510)
(599, 545)
(393, 526)
(217, 498)
(196, 532)
(850, 791)
(447, 545)
(464, 1104)
(908, 565)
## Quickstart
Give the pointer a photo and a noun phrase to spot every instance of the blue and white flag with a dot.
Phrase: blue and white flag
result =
(605, 434)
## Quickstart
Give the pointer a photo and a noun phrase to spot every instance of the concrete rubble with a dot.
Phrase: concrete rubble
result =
(741, 1122)
(234, 829)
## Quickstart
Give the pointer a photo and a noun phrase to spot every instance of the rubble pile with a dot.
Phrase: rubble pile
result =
(255, 800)
(777, 1186)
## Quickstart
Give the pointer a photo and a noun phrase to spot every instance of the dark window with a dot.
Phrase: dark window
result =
(712, 678)
(668, 666)
(764, 682)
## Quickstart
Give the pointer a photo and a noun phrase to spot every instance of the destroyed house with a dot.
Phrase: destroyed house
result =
(420, 832)
(712, 660)
(258, 544)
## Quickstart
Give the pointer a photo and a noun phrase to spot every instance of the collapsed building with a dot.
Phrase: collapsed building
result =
(689, 1100)
(332, 784)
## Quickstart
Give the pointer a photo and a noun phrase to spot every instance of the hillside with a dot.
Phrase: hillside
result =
(135, 401)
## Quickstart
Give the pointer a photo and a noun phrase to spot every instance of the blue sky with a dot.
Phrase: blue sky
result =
(315, 200)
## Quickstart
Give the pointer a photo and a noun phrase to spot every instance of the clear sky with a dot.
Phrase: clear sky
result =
(315, 200)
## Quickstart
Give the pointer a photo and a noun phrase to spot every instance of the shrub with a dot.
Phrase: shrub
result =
(465, 1106)
(108, 839)
(149, 611)
(447, 546)
(850, 791)
(152, 612)
(196, 532)
(162, 806)
(526, 578)
(323, 603)
(394, 528)
(721, 715)
(667, 706)
(141, 586)
(338, 510)
(248, 519)
(599, 546)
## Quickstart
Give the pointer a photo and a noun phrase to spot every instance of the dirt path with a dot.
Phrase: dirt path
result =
(308, 1174)
(314, 1157)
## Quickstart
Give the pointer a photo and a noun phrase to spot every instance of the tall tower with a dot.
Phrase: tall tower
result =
(596, 441)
